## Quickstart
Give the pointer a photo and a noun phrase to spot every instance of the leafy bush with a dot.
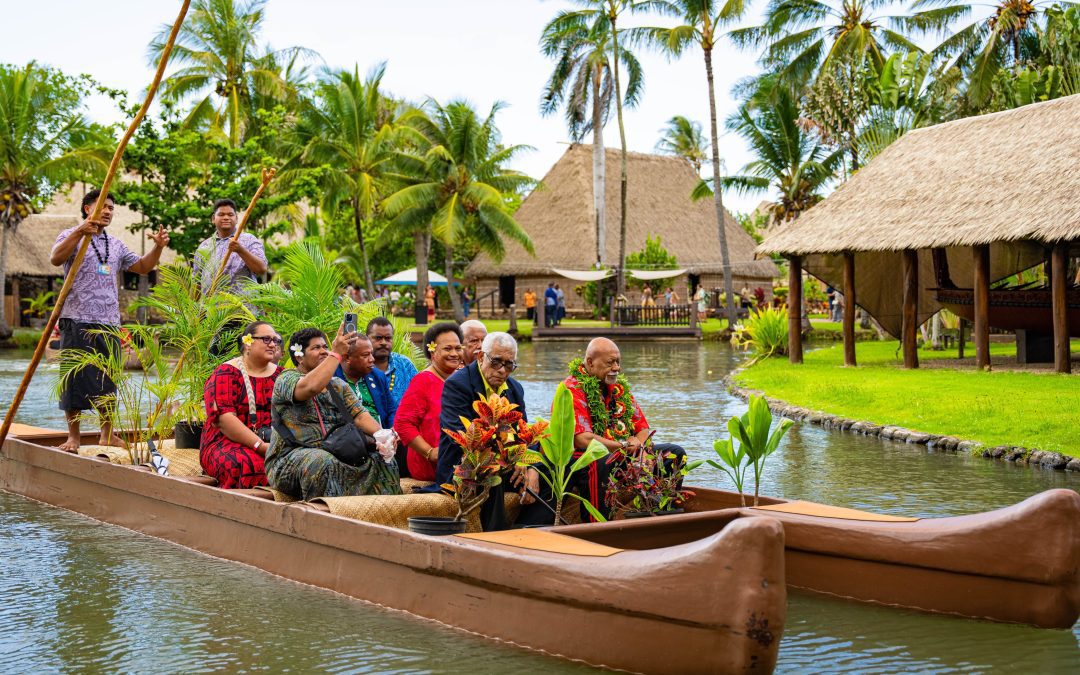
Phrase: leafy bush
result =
(765, 332)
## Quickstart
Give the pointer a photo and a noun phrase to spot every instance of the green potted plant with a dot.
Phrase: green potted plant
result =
(649, 484)
(38, 307)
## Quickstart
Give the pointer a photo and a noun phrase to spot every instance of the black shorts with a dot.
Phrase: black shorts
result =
(82, 390)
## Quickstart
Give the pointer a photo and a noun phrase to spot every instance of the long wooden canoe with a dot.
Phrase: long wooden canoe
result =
(716, 604)
(1019, 564)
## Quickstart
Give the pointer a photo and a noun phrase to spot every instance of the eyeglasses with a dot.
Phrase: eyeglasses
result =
(268, 340)
(499, 364)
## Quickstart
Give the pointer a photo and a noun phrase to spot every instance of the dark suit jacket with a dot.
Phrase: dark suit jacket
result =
(459, 392)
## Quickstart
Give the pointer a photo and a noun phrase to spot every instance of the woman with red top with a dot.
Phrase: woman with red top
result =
(237, 398)
(417, 418)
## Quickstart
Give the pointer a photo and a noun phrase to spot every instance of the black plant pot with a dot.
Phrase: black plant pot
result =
(436, 526)
(648, 514)
(188, 435)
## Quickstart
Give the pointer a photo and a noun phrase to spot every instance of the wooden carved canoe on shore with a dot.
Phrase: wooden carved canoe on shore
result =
(1019, 564)
(716, 604)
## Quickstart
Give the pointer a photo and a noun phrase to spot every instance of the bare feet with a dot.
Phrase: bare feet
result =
(113, 440)
(71, 444)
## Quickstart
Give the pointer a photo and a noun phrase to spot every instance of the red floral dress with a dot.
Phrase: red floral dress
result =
(232, 464)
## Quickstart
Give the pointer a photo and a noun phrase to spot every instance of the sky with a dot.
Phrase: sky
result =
(480, 50)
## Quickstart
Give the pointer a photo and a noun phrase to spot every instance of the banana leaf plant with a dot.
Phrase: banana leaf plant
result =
(556, 454)
(757, 440)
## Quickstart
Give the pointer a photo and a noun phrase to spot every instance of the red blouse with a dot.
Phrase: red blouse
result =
(418, 415)
(225, 393)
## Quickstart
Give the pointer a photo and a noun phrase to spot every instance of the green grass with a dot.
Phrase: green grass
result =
(24, 338)
(1033, 410)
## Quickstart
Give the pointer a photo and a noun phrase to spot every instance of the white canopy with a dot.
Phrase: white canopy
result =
(408, 278)
(583, 275)
(649, 275)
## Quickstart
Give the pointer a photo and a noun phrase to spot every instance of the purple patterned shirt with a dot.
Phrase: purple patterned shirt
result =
(95, 293)
(207, 261)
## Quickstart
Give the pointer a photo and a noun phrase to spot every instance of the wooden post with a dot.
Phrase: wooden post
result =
(911, 309)
(981, 333)
(513, 328)
(16, 297)
(960, 338)
(1059, 269)
(849, 309)
(794, 303)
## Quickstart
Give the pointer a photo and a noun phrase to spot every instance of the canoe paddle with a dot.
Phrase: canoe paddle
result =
(114, 165)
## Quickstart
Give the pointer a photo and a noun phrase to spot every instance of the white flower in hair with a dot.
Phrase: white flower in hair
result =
(297, 350)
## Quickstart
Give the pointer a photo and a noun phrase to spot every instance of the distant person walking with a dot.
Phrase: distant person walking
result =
(560, 305)
(551, 305)
(530, 305)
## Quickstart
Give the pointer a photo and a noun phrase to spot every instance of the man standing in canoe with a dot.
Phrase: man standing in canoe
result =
(605, 410)
(94, 304)
(248, 260)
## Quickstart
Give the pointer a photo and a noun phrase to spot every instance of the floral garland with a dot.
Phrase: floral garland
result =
(616, 423)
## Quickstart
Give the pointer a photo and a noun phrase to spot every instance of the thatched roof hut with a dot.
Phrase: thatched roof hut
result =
(1008, 181)
(560, 219)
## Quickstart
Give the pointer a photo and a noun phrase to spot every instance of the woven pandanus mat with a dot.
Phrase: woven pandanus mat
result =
(112, 453)
(410, 484)
(395, 510)
(279, 496)
(182, 461)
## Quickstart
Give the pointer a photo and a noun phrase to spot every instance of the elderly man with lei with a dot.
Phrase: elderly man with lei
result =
(605, 410)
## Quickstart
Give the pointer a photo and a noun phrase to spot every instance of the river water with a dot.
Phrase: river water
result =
(82, 596)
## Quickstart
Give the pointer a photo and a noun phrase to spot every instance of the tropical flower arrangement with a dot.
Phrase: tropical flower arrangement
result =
(649, 482)
(496, 440)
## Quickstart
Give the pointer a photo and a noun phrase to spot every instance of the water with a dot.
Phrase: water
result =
(79, 595)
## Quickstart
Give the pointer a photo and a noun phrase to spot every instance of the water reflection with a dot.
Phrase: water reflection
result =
(84, 596)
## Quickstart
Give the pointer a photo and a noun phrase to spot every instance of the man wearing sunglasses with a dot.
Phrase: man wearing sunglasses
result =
(489, 374)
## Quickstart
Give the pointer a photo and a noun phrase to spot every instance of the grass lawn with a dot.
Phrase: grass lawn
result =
(1033, 410)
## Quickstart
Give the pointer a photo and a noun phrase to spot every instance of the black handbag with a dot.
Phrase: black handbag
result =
(345, 442)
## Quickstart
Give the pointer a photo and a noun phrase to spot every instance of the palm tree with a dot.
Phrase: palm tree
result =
(353, 130)
(683, 137)
(805, 37)
(44, 141)
(458, 186)
(701, 23)
(583, 82)
(985, 45)
(219, 55)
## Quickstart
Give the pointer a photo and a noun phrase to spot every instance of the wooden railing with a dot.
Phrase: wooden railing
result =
(655, 315)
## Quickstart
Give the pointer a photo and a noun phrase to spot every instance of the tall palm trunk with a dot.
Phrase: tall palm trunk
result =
(599, 167)
(621, 280)
(5, 329)
(420, 247)
(359, 223)
(455, 301)
(725, 259)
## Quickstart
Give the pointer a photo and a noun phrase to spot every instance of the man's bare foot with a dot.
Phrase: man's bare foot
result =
(71, 444)
(113, 440)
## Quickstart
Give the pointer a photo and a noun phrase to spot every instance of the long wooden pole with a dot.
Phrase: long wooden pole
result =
(849, 309)
(1059, 268)
(794, 305)
(910, 326)
(267, 176)
(114, 165)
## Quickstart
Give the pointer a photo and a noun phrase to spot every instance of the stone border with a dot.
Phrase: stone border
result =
(1009, 453)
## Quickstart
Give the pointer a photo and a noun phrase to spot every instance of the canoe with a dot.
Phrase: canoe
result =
(1019, 564)
(716, 604)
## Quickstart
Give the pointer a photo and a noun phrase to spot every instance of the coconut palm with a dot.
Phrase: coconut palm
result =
(583, 83)
(44, 141)
(352, 129)
(985, 45)
(458, 186)
(702, 21)
(220, 60)
(805, 37)
(683, 138)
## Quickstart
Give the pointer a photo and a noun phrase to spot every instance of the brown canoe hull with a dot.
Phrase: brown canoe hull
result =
(716, 605)
(1020, 564)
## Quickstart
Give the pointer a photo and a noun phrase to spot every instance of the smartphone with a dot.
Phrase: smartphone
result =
(350, 322)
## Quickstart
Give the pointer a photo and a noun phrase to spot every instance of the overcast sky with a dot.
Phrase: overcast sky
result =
(481, 50)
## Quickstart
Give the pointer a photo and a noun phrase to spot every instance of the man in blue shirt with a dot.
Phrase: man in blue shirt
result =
(551, 304)
(368, 382)
(398, 369)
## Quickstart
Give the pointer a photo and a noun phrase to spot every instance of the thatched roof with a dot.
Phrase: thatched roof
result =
(31, 245)
(1007, 176)
(560, 219)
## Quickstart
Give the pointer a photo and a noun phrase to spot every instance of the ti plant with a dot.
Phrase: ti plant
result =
(494, 442)
(557, 454)
(754, 441)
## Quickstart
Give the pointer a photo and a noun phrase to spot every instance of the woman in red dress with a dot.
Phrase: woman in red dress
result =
(235, 435)
(417, 419)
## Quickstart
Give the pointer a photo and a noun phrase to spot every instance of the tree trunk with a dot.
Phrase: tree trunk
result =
(621, 280)
(599, 165)
(5, 329)
(420, 246)
(368, 283)
(455, 301)
(725, 259)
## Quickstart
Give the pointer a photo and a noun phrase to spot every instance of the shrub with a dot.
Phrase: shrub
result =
(765, 332)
